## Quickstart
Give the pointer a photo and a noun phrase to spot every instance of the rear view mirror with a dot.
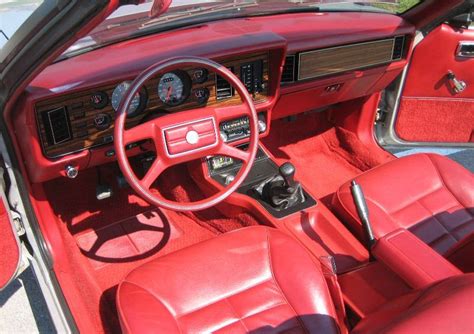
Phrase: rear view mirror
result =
(462, 20)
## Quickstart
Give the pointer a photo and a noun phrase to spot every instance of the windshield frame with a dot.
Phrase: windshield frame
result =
(232, 11)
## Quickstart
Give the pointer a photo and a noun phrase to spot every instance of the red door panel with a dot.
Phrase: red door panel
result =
(430, 110)
(9, 246)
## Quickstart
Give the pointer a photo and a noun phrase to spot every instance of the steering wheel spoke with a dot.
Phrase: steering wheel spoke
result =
(156, 169)
(140, 132)
(234, 152)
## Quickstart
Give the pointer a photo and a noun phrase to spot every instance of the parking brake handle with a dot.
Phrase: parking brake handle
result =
(363, 212)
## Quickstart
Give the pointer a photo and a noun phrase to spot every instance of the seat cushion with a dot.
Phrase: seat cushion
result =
(427, 194)
(444, 307)
(255, 279)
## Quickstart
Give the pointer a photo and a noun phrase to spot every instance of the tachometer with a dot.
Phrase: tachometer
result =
(138, 101)
(174, 87)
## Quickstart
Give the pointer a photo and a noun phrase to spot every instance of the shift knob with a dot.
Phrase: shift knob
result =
(287, 171)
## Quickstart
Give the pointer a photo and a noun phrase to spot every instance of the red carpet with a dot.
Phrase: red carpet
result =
(106, 239)
(436, 120)
(325, 156)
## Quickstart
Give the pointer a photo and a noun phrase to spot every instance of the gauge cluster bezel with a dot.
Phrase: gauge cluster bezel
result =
(82, 112)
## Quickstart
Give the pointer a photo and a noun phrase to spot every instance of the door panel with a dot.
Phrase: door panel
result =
(10, 251)
(430, 110)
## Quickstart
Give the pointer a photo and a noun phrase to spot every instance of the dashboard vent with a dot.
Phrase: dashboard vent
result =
(288, 74)
(57, 127)
(398, 47)
(224, 90)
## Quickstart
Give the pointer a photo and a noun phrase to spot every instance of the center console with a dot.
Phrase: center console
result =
(273, 186)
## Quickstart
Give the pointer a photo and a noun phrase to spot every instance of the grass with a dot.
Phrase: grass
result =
(401, 7)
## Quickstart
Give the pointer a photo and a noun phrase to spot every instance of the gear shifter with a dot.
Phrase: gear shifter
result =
(281, 191)
(287, 171)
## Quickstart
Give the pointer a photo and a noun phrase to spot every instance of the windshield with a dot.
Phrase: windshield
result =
(133, 21)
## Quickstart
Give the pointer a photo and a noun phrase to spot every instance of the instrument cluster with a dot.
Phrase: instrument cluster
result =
(173, 89)
(84, 119)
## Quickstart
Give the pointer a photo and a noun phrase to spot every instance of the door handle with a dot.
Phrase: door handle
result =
(465, 49)
(458, 86)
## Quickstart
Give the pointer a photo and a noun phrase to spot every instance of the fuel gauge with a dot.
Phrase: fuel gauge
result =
(200, 75)
(99, 99)
(201, 95)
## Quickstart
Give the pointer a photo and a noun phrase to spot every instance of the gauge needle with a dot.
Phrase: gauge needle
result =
(170, 89)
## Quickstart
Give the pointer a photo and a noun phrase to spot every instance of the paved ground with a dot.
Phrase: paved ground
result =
(464, 156)
(22, 307)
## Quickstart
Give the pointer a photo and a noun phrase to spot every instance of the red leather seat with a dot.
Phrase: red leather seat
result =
(250, 280)
(444, 307)
(427, 194)
(259, 279)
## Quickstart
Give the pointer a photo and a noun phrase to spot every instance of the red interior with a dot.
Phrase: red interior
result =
(328, 137)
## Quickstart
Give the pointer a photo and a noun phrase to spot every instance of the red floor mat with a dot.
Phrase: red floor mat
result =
(106, 239)
(325, 156)
(126, 240)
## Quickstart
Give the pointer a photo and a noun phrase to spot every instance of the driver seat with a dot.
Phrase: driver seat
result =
(258, 279)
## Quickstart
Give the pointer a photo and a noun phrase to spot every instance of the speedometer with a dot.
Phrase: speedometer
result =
(138, 101)
(174, 87)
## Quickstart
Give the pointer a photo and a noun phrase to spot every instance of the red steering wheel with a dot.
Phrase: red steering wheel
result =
(185, 136)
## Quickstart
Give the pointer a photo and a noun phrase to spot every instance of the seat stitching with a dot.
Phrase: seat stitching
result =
(158, 300)
(236, 314)
(469, 222)
(265, 310)
(443, 182)
(438, 239)
(436, 219)
(278, 285)
(251, 315)
(416, 200)
(220, 300)
(450, 232)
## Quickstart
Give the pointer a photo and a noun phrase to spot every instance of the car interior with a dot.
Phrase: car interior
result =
(226, 177)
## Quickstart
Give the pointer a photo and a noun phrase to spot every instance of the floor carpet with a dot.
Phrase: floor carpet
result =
(107, 239)
(325, 156)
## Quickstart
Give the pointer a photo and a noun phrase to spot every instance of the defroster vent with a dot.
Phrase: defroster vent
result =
(224, 90)
(289, 67)
(398, 47)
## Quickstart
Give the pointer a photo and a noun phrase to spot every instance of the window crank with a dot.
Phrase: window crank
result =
(457, 85)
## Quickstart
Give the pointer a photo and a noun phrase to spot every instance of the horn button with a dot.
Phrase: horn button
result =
(192, 136)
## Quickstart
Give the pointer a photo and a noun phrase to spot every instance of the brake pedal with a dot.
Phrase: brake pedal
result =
(102, 190)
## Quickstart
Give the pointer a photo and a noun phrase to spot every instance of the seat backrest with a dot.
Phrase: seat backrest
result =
(427, 194)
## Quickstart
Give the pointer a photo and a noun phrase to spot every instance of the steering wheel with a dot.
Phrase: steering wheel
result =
(184, 136)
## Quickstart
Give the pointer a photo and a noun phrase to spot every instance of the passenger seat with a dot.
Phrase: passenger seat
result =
(429, 195)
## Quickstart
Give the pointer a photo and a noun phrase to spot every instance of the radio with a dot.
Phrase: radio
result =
(239, 128)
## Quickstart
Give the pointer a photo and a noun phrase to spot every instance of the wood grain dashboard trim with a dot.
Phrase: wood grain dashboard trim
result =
(81, 112)
(323, 62)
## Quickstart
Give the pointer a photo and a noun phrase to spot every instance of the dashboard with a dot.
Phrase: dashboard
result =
(75, 122)
(290, 64)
